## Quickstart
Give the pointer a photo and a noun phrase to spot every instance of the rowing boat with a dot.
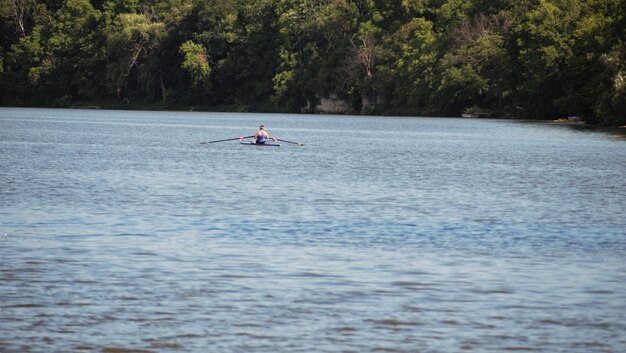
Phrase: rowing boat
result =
(261, 144)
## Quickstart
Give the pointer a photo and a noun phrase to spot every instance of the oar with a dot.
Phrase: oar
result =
(232, 139)
(295, 143)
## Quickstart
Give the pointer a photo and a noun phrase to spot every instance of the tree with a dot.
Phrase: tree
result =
(523, 58)
(545, 42)
(366, 52)
(314, 40)
(475, 71)
(133, 45)
(239, 37)
(75, 46)
(407, 64)
(196, 64)
(23, 66)
(17, 14)
(55, 60)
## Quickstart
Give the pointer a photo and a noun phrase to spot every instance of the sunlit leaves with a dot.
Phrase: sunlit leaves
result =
(524, 58)
(196, 62)
(132, 44)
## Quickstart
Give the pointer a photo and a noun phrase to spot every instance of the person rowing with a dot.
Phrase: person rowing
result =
(261, 136)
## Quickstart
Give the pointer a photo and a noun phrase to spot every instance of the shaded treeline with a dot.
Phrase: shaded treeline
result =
(515, 58)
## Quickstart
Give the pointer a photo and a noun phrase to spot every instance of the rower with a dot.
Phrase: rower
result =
(261, 136)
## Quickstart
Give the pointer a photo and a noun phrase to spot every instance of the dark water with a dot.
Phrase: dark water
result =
(120, 232)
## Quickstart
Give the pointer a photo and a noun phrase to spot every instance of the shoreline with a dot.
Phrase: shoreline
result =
(576, 123)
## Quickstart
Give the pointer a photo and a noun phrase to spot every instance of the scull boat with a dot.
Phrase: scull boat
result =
(261, 144)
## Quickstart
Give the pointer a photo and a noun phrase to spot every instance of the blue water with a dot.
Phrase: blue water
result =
(120, 232)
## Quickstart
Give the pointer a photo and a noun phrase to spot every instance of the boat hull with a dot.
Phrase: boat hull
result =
(260, 145)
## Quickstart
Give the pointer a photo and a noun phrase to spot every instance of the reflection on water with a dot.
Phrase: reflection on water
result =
(120, 232)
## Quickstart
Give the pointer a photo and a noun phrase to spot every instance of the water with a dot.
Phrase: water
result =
(120, 232)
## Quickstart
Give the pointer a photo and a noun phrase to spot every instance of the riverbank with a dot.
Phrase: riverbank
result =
(577, 123)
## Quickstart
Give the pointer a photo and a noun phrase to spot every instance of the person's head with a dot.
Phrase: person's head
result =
(261, 127)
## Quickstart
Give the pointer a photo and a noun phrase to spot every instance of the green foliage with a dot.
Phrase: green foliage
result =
(314, 51)
(133, 51)
(475, 71)
(610, 104)
(121, 6)
(406, 65)
(196, 62)
(76, 47)
(523, 58)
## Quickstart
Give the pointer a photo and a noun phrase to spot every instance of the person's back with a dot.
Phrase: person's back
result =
(261, 136)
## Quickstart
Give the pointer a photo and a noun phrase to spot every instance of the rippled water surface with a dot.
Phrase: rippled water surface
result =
(120, 232)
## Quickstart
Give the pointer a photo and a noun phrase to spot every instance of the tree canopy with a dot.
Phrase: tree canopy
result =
(541, 59)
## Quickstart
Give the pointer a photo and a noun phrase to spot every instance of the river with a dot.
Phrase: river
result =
(120, 232)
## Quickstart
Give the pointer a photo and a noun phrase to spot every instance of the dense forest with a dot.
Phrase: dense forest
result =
(537, 59)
